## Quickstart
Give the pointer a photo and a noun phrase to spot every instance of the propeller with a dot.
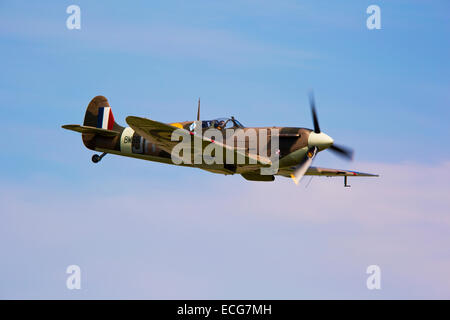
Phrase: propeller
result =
(322, 140)
(302, 167)
(342, 151)
(317, 141)
(312, 103)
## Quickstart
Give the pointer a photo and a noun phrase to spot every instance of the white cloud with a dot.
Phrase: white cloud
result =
(304, 243)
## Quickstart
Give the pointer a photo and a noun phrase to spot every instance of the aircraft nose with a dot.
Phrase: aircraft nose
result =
(319, 140)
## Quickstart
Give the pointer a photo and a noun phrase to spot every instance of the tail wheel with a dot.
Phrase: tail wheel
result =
(96, 158)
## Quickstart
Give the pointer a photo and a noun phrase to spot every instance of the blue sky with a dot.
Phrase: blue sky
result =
(145, 230)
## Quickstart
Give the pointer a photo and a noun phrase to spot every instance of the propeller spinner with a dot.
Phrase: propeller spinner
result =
(318, 141)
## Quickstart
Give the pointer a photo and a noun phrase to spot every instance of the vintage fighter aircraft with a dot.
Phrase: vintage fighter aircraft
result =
(151, 140)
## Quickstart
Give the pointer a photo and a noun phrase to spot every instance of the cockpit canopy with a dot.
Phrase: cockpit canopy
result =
(222, 123)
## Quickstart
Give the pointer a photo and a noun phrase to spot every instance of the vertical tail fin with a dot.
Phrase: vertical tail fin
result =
(99, 115)
(105, 118)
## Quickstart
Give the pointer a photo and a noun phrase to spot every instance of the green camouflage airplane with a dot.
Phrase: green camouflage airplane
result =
(152, 140)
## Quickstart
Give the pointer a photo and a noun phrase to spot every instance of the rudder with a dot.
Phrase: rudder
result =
(99, 115)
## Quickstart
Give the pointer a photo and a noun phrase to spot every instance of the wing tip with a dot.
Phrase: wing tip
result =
(131, 119)
(364, 174)
(70, 126)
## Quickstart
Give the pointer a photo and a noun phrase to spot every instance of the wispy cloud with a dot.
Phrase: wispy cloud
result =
(174, 41)
(147, 234)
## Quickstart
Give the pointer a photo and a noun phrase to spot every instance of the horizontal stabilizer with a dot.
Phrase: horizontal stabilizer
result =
(92, 130)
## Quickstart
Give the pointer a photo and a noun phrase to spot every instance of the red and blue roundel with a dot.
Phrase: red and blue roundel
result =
(105, 119)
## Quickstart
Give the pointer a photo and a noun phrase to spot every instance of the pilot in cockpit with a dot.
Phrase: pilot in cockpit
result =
(223, 123)
(220, 124)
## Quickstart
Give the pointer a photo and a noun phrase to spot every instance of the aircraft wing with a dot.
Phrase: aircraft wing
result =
(160, 134)
(156, 132)
(317, 171)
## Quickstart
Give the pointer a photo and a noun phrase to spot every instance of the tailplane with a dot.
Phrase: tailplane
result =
(98, 122)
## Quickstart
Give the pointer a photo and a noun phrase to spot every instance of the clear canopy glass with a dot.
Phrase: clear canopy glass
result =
(222, 123)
